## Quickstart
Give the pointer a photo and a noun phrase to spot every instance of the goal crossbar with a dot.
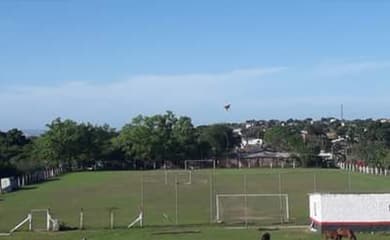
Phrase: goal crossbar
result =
(186, 162)
(253, 195)
(187, 173)
(238, 195)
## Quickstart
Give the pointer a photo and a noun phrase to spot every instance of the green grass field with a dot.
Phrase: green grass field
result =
(206, 233)
(125, 191)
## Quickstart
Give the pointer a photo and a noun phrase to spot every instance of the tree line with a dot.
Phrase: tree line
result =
(144, 140)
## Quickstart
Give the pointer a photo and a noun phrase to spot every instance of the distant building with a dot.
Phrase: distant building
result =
(238, 131)
(325, 155)
(339, 139)
(266, 158)
(251, 142)
(384, 120)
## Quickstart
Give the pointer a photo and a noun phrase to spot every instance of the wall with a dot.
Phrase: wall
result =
(360, 212)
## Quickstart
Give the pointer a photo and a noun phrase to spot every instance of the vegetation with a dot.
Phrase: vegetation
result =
(365, 141)
(141, 143)
(150, 141)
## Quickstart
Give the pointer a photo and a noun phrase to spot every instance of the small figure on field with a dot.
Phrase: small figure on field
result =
(266, 236)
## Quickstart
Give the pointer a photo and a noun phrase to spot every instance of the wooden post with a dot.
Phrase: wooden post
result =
(81, 219)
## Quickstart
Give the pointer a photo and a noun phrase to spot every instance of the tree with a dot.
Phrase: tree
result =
(13, 145)
(184, 139)
(220, 138)
(159, 138)
(96, 144)
(288, 139)
(153, 138)
(61, 144)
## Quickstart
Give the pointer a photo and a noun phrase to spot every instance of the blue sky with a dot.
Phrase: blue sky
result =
(107, 61)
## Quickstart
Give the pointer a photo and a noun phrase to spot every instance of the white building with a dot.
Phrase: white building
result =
(251, 142)
(358, 212)
(238, 131)
(325, 155)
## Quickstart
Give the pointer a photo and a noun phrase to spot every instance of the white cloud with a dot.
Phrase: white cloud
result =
(116, 102)
(254, 93)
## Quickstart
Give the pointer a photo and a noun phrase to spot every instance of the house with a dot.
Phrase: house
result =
(251, 142)
(253, 157)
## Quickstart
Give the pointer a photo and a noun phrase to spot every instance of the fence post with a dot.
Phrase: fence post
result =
(112, 218)
(245, 202)
(176, 200)
(81, 219)
(30, 222)
(211, 196)
(48, 220)
(280, 198)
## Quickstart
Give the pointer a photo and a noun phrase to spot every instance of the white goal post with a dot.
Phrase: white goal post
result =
(189, 164)
(182, 177)
(51, 224)
(246, 207)
(139, 219)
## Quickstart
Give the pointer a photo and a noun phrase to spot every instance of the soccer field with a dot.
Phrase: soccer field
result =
(205, 233)
(189, 204)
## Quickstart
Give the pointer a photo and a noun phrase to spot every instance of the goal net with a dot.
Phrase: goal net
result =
(199, 164)
(167, 177)
(41, 220)
(252, 209)
(172, 177)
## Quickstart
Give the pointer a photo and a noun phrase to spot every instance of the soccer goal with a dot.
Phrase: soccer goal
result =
(42, 220)
(138, 220)
(252, 209)
(38, 220)
(177, 177)
(199, 164)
